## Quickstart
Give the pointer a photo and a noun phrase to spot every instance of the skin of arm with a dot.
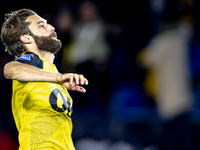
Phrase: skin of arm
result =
(27, 73)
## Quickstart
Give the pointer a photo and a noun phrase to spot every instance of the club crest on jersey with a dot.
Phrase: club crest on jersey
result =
(24, 57)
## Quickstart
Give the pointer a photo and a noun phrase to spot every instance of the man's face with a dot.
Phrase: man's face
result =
(43, 34)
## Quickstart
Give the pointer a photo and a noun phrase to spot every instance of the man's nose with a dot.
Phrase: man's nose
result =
(51, 28)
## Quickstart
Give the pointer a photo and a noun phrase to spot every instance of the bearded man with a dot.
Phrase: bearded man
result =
(41, 104)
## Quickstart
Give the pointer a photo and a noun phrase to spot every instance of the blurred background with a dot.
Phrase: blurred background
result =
(142, 62)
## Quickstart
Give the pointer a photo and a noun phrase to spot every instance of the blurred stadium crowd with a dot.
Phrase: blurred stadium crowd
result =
(142, 62)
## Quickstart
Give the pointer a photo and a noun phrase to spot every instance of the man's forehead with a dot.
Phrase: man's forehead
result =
(35, 19)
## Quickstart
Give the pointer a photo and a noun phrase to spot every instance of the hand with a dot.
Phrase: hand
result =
(71, 81)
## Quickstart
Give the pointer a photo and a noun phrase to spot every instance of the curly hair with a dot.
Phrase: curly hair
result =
(13, 27)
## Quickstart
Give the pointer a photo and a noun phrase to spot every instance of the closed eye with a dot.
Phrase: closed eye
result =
(41, 24)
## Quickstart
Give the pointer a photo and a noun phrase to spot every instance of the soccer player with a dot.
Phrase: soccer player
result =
(42, 109)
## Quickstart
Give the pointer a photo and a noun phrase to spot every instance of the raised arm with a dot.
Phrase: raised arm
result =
(27, 73)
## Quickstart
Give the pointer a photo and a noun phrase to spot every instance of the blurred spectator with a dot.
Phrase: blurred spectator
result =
(167, 58)
(63, 21)
(88, 54)
(119, 47)
(88, 44)
(156, 10)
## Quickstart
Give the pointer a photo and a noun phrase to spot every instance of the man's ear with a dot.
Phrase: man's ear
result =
(26, 39)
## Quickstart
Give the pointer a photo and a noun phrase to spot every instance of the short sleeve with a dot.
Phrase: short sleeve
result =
(31, 59)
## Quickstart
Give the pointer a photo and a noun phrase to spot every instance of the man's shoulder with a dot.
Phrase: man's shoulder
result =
(31, 59)
(28, 56)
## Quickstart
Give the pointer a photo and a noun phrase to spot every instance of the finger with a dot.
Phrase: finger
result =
(68, 85)
(86, 82)
(82, 79)
(79, 89)
(71, 79)
(73, 84)
(76, 77)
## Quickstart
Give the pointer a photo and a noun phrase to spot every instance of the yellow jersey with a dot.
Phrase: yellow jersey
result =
(42, 111)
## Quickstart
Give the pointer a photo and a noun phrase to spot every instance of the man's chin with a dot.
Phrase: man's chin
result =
(55, 39)
(49, 44)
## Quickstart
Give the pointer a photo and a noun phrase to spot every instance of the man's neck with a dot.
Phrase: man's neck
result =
(48, 56)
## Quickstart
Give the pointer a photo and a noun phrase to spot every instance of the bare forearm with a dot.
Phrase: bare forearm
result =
(27, 73)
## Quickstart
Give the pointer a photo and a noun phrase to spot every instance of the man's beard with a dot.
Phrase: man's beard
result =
(47, 43)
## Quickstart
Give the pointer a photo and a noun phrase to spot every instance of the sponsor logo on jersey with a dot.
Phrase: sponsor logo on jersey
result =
(24, 57)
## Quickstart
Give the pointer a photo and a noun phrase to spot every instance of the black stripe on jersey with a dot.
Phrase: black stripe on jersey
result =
(34, 60)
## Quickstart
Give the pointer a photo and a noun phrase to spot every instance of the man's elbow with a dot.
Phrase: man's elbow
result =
(8, 70)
